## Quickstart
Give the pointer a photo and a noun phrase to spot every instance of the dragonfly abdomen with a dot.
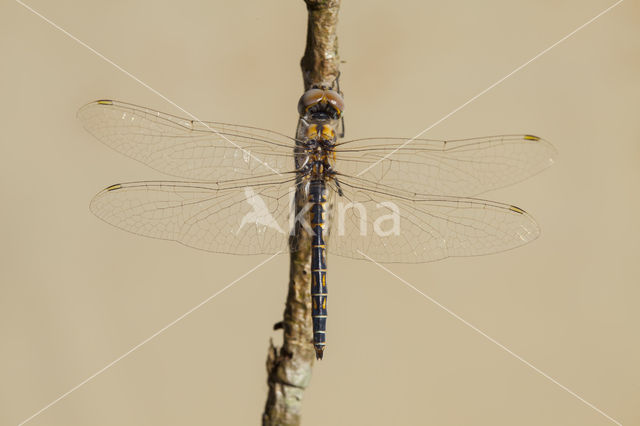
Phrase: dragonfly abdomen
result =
(318, 200)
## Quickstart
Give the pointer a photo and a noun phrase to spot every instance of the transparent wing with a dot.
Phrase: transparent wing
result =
(187, 148)
(460, 167)
(253, 216)
(394, 226)
(248, 216)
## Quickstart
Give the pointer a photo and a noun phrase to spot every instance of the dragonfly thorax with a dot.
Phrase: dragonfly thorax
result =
(318, 162)
(319, 145)
(321, 133)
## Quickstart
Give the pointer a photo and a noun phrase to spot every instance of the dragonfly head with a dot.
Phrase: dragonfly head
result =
(321, 104)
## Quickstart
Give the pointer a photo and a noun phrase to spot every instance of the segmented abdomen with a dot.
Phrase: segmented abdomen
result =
(318, 199)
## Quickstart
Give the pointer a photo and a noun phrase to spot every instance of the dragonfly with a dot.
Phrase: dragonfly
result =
(386, 199)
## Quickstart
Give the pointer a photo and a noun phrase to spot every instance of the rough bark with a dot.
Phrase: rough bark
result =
(320, 63)
(289, 367)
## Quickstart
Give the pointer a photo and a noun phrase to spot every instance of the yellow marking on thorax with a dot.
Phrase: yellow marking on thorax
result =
(312, 131)
(327, 132)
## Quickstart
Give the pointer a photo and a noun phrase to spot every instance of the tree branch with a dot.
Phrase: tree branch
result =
(320, 63)
(289, 367)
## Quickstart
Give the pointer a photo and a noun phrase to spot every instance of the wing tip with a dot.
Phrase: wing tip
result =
(99, 102)
(552, 152)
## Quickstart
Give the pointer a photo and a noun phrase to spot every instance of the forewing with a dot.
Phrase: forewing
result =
(186, 148)
(242, 217)
(391, 226)
(459, 167)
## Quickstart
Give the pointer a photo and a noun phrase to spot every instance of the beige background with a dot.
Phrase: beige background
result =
(76, 293)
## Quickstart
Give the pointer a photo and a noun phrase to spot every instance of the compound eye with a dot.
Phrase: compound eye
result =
(335, 100)
(309, 98)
